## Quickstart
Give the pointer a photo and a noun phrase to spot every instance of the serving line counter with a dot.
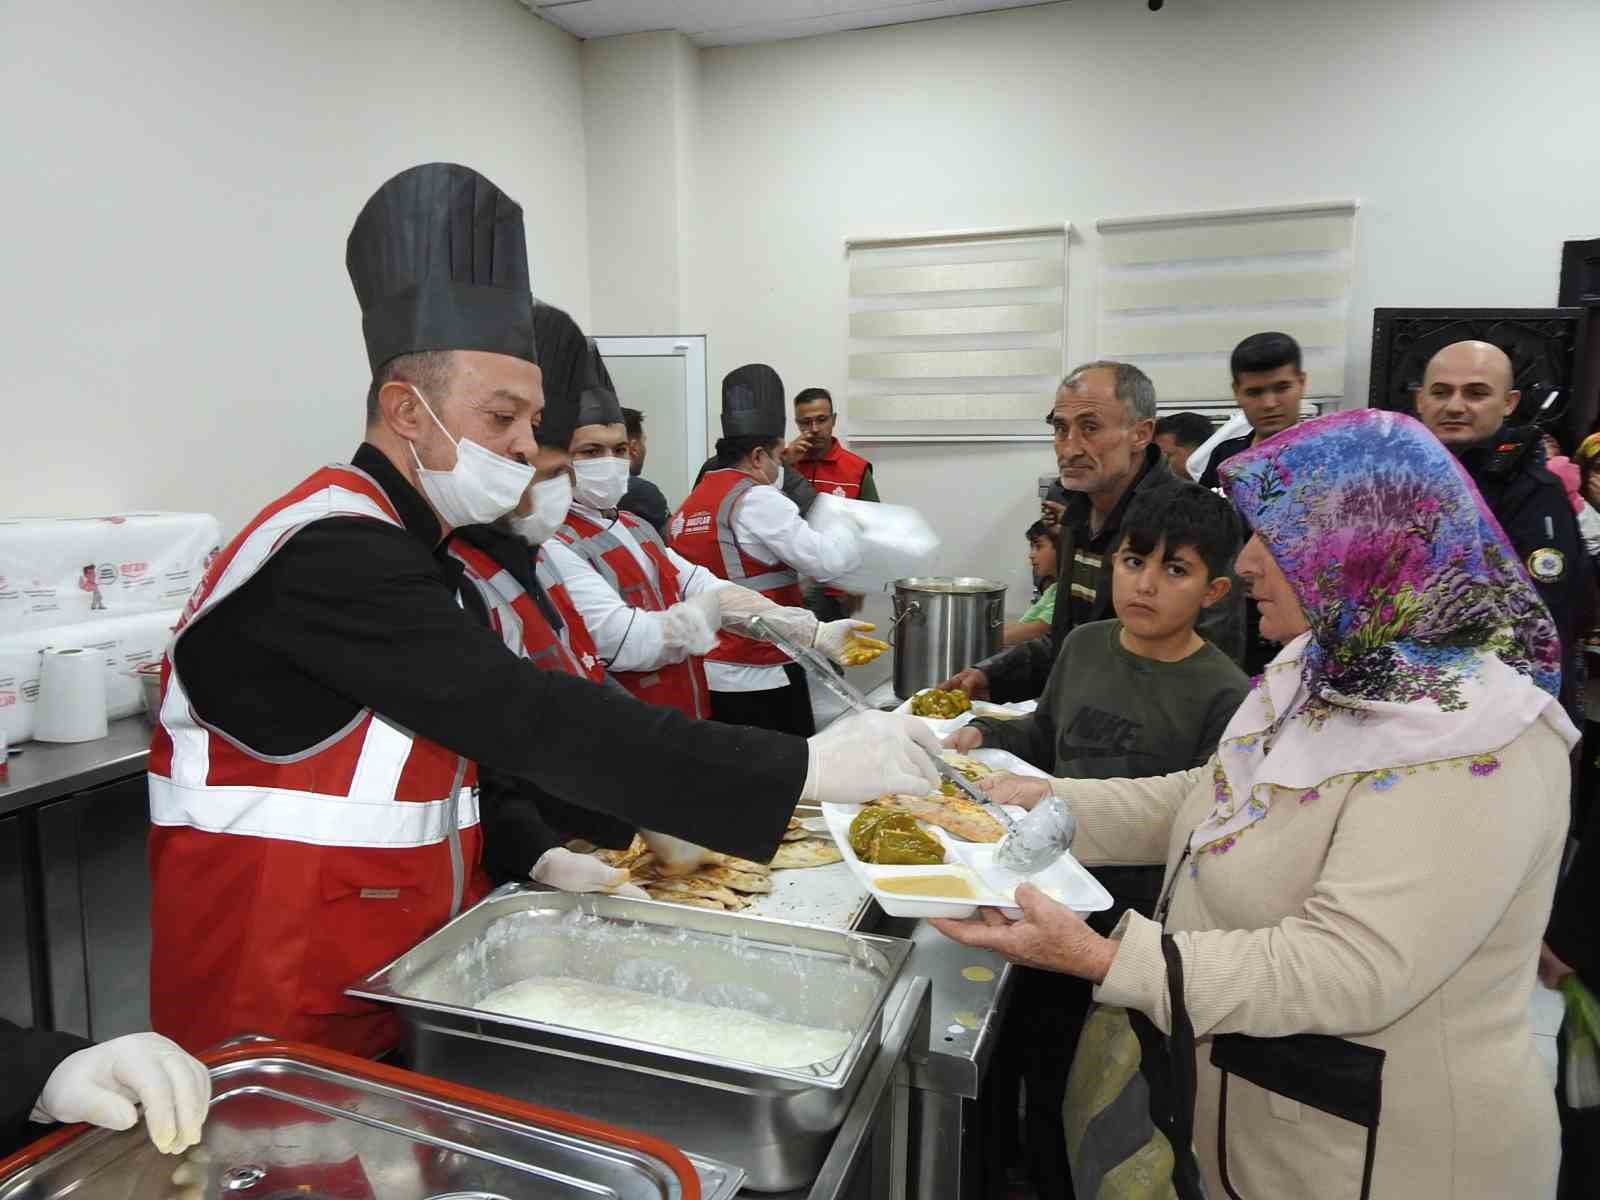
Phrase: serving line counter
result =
(74, 953)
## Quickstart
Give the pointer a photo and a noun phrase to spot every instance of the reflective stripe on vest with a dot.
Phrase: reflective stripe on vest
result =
(385, 769)
(680, 685)
(516, 617)
(733, 558)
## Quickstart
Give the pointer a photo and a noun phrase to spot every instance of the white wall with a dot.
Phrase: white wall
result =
(1465, 128)
(176, 324)
(638, 100)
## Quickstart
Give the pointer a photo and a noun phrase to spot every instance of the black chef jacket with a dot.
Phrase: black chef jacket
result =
(354, 613)
(30, 1057)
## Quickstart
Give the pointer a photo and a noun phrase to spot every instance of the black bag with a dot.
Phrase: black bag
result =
(1337, 1076)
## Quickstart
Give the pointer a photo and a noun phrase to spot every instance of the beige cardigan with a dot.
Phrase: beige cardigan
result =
(1403, 910)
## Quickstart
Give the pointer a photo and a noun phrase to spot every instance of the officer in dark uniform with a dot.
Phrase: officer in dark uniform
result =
(1466, 397)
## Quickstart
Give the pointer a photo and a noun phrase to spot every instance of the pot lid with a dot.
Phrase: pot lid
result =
(292, 1122)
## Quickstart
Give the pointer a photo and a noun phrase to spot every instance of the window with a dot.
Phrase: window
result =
(958, 334)
(1178, 292)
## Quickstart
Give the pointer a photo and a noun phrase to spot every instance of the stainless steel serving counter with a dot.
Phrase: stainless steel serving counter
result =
(44, 771)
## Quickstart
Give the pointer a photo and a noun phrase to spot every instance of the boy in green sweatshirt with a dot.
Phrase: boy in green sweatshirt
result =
(1139, 695)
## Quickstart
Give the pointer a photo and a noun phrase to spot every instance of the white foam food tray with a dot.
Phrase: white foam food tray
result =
(980, 708)
(1064, 880)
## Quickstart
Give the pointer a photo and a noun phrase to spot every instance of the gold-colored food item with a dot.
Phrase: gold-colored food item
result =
(899, 848)
(860, 650)
(954, 814)
(810, 853)
(867, 821)
(882, 835)
(724, 884)
(941, 706)
(952, 886)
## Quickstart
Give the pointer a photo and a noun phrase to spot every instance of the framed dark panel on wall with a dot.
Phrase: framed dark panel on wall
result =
(1553, 354)
(1580, 273)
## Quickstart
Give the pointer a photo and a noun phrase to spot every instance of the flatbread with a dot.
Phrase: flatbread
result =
(746, 882)
(687, 901)
(971, 768)
(954, 814)
(809, 853)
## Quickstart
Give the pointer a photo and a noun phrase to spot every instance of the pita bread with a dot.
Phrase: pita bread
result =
(809, 853)
(954, 814)
(747, 882)
(969, 767)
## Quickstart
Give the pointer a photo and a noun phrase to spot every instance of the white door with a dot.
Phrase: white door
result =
(665, 379)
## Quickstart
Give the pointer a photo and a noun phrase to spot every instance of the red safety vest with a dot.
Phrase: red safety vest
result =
(278, 881)
(515, 616)
(836, 473)
(702, 531)
(679, 685)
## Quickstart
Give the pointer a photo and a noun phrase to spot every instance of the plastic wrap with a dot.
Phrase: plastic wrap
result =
(895, 541)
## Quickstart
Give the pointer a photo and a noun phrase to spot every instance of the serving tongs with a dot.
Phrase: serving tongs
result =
(822, 671)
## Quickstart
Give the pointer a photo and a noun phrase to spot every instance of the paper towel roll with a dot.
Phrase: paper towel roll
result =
(72, 696)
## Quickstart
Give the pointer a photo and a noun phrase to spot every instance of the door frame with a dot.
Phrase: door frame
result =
(691, 348)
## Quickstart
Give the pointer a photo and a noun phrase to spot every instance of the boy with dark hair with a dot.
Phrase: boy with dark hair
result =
(1268, 386)
(1136, 696)
(1035, 622)
(1178, 435)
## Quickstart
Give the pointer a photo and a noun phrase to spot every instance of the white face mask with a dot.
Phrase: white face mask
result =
(777, 473)
(482, 487)
(602, 482)
(551, 500)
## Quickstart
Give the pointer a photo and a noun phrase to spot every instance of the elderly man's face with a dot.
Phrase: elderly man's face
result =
(1466, 393)
(1098, 445)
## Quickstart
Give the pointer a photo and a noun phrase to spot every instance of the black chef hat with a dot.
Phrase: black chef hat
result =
(577, 387)
(439, 261)
(752, 403)
(597, 402)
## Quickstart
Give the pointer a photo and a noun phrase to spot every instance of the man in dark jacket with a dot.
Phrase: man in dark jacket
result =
(1104, 419)
(1465, 399)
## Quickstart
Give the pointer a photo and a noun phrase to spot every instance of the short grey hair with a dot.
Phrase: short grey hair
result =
(1133, 386)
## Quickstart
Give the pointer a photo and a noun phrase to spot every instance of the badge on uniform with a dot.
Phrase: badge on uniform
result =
(1547, 565)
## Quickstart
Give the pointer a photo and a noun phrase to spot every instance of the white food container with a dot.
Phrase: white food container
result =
(1065, 880)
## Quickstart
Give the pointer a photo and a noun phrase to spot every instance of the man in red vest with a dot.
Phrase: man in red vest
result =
(833, 471)
(327, 701)
(739, 525)
(652, 613)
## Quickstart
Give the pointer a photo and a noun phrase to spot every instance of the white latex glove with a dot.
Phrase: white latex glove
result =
(561, 868)
(674, 855)
(101, 1085)
(739, 604)
(861, 757)
(832, 636)
(690, 626)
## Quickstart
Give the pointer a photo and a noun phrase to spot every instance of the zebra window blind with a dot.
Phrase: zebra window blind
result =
(956, 334)
(1178, 292)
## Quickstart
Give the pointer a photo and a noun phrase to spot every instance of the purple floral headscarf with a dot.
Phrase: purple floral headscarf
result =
(1404, 575)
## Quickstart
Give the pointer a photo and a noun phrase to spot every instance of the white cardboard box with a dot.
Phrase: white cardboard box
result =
(57, 571)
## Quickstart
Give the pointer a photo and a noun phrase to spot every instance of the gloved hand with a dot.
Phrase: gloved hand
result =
(561, 868)
(102, 1084)
(860, 757)
(739, 604)
(674, 855)
(690, 626)
(1040, 838)
(833, 638)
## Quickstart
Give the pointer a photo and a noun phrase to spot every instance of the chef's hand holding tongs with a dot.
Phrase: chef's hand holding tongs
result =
(103, 1084)
(841, 641)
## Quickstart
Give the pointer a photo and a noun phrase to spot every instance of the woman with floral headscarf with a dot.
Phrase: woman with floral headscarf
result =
(1372, 851)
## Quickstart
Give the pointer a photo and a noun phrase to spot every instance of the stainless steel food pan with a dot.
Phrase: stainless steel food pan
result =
(776, 1124)
(301, 1122)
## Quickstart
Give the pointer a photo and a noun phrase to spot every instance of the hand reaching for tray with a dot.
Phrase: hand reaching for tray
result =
(1003, 787)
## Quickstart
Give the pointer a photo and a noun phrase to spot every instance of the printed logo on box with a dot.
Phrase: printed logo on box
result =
(130, 569)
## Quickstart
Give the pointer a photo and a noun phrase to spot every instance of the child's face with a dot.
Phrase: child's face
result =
(1160, 594)
(1042, 558)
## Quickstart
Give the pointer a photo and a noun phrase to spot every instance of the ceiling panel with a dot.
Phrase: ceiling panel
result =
(743, 22)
